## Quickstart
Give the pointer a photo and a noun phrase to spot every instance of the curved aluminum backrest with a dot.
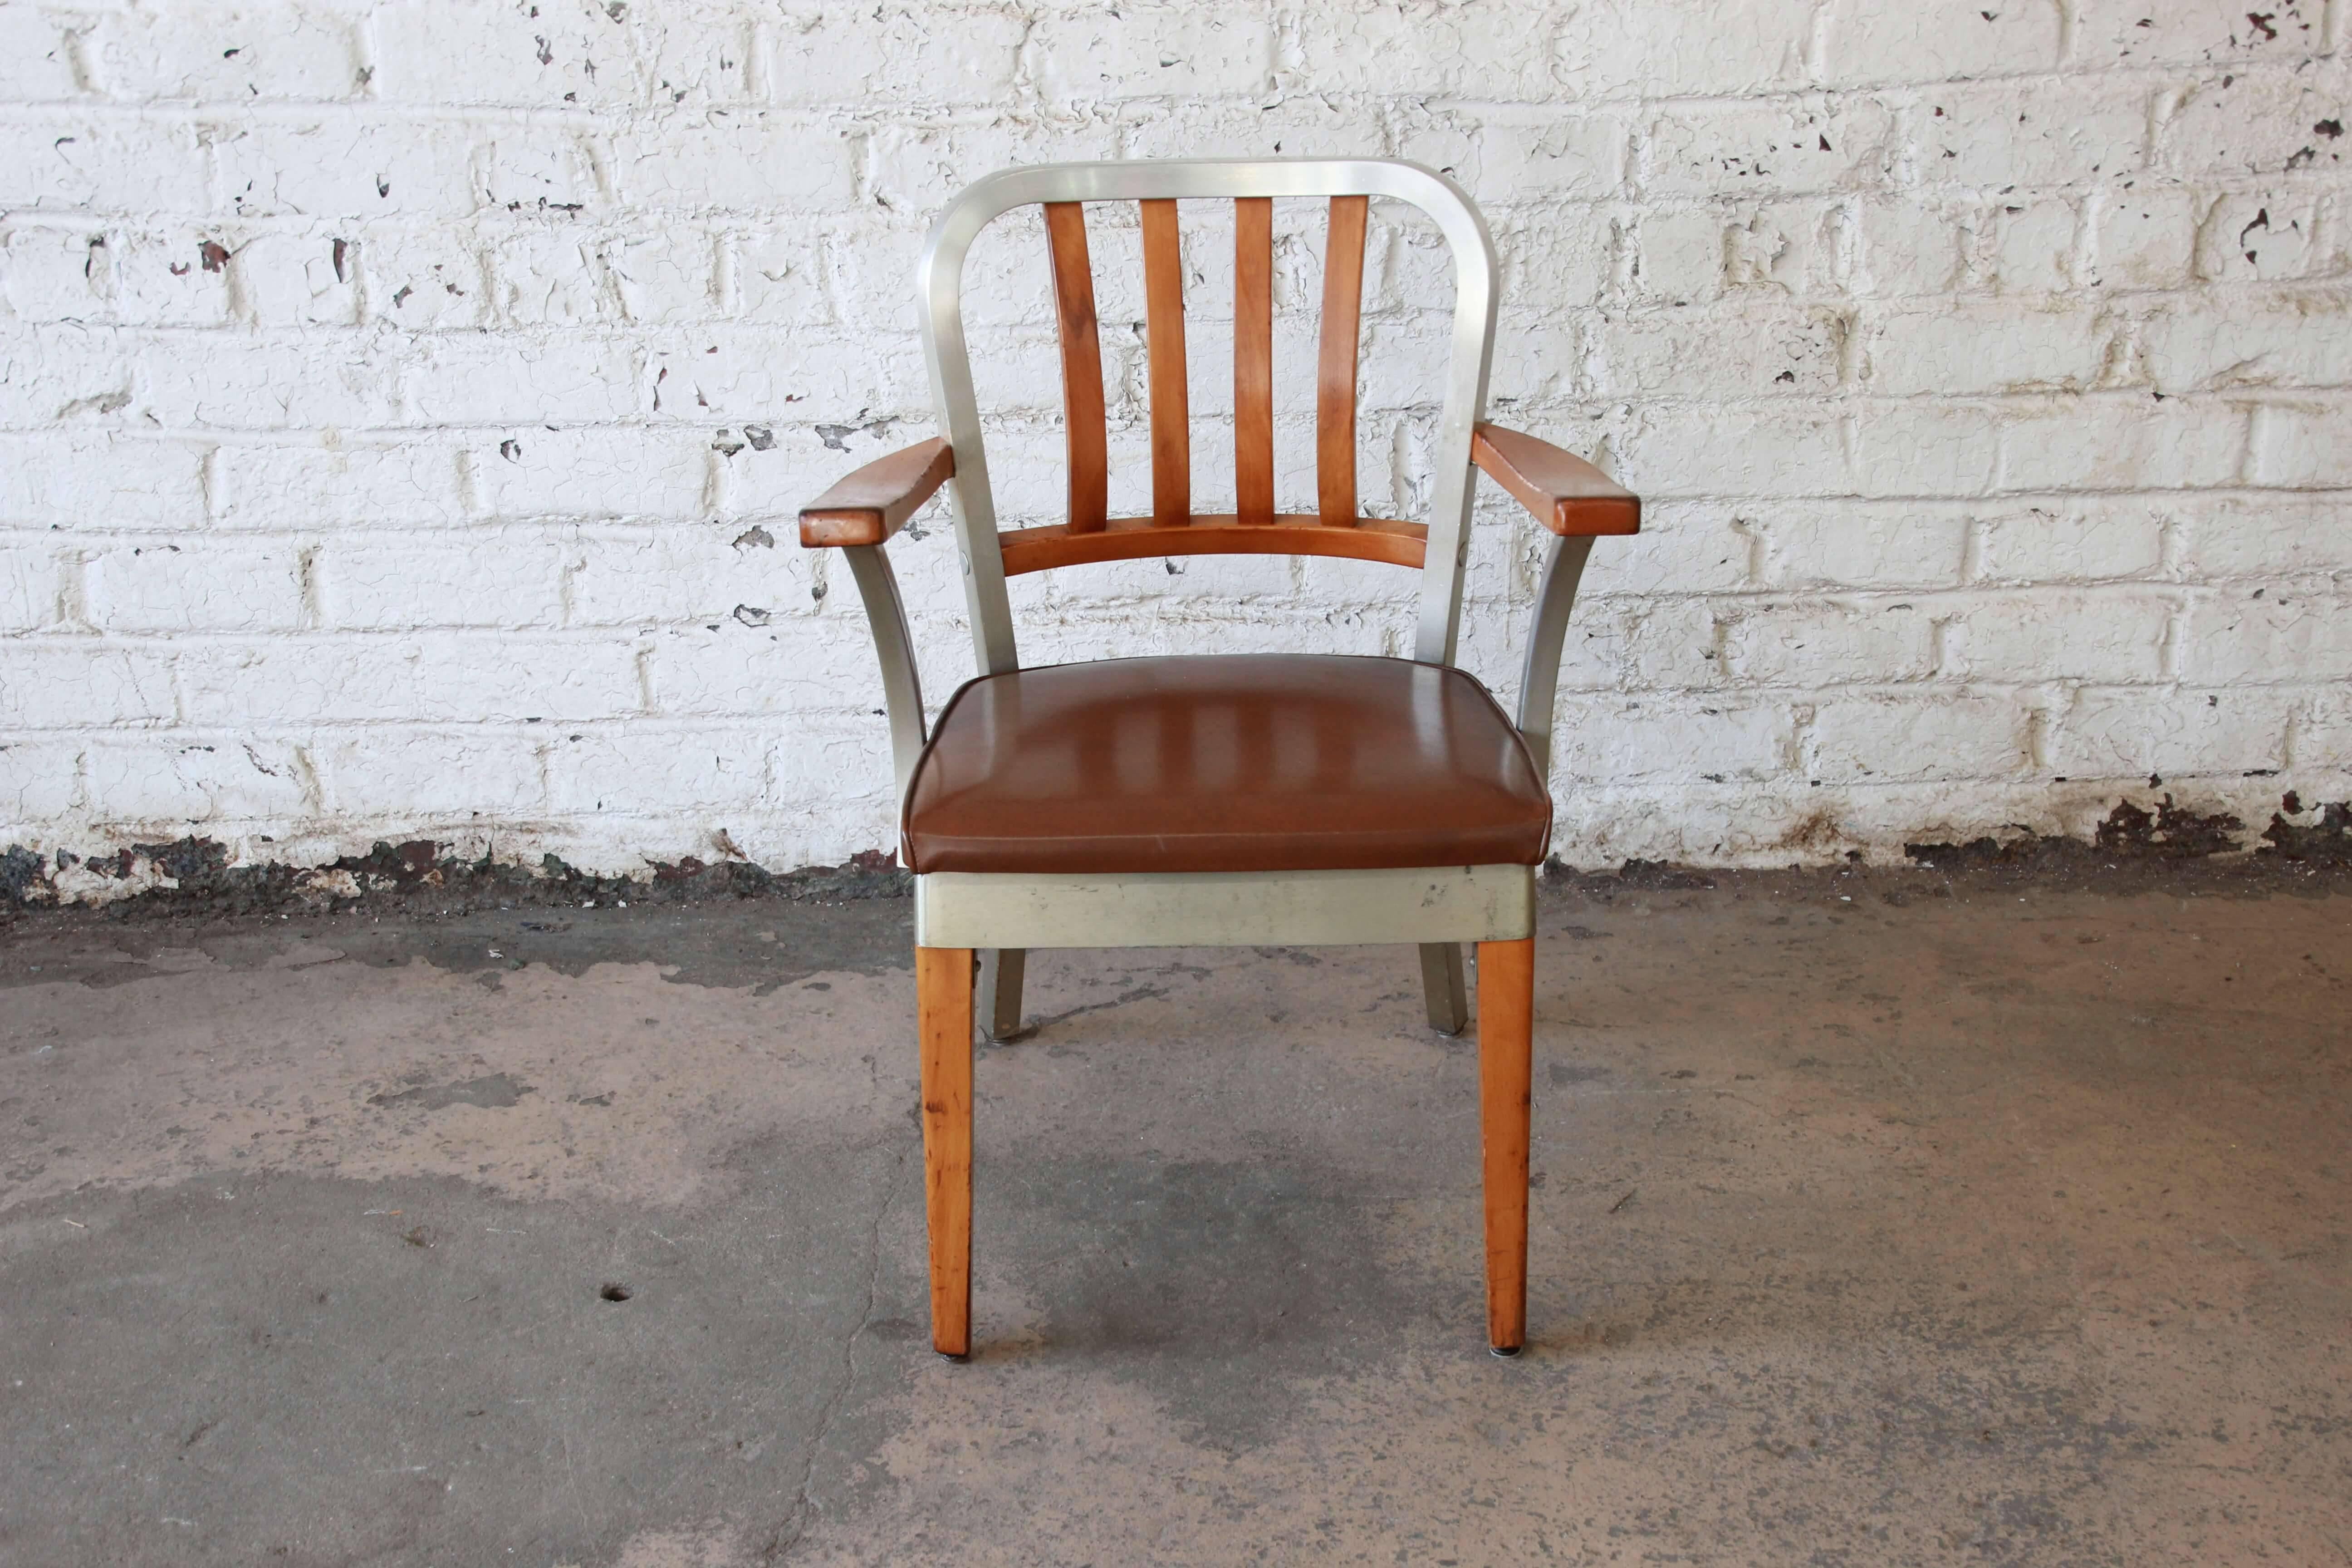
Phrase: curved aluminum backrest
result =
(942, 285)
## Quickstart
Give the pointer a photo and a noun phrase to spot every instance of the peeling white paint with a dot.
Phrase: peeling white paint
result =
(378, 384)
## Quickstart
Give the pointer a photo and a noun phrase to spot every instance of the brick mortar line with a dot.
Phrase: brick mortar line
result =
(959, 114)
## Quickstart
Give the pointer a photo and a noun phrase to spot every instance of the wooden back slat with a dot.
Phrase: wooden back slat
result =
(1163, 325)
(1335, 366)
(1254, 527)
(1254, 359)
(1083, 425)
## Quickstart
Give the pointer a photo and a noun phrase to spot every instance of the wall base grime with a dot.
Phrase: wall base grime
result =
(2132, 847)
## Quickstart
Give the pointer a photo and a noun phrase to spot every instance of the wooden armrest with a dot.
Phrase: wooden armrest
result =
(1568, 495)
(876, 501)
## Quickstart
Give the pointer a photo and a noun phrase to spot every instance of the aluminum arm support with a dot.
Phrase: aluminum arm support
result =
(855, 516)
(1576, 502)
(1539, 674)
(902, 687)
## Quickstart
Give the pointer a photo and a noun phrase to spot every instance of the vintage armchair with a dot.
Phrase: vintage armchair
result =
(1219, 799)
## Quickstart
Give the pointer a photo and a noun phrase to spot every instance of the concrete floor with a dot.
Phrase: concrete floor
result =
(1881, 1219)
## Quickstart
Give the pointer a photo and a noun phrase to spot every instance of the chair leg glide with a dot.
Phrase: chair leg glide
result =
(943, 986)
(1506, 1080)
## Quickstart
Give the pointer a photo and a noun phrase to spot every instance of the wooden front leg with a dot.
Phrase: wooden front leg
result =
(1506, 999)
(943, 1019)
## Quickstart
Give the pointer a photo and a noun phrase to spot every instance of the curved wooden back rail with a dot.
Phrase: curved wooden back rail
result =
(1253, 527)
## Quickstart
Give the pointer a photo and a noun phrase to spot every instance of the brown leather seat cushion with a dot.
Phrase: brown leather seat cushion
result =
(1224, 763)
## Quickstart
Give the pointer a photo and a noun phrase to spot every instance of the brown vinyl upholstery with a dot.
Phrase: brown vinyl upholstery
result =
(1224, 763)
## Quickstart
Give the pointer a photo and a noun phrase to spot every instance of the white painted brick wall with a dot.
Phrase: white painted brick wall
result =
(403, 405)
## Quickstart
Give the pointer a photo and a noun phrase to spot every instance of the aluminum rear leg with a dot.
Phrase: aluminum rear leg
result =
(1441, 986)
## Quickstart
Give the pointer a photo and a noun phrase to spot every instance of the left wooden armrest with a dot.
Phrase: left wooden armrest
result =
(1567, 494)
(872, 504)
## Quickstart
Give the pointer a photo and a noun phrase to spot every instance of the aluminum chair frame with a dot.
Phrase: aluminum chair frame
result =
(1001, 916)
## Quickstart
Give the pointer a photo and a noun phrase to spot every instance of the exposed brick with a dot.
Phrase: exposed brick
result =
(656, 772)
(259, 52)
(2135, 33)
(2061, 634)
(67, 161)
(790, 663)
(553, 53)
(193, 584)
(63, 683)
(754, 165)
(50, 273)
(2302, 444)
(40, 782)
(542, 473)
(2147, 236)
(453, 578)
(1658, 49)
(189, 381)
(376, 380)
(2254, 122)
(1904, 736)
(1919, 544)
(1519, 156)
(2274, 233)
(2300, 340)
(31, 584)
(344, 164)
(68, 479)
(1907, 246)
(703, 573)
(161, 278)
(1924, 447)
(424, 277)
(1217, 48)
(1489, 49)
(1983, 348)
(1739, 451)
(2075, 540)
(421, 777)
(1296, 125)
(473, 679)
(2321, 738)
(1756, 349)
(36, 65)
(1768, 147)
(1688, 547)
(2029, 245)
(308, 278)
(1992, 135)
(171, 781)
(1868, 42)
(2120, 442)
(322, 484)
(1647, 739)
(452, 379)
(2271, 635)
(1812, 643)
(2266, 536)
(663, 279)
(919, 168)
(2175, 733)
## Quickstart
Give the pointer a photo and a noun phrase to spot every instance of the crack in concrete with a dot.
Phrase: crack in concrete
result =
(796, 1521)
(1141, 994)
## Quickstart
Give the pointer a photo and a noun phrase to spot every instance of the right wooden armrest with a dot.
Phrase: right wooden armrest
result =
(876, 501)
(1567, 494)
